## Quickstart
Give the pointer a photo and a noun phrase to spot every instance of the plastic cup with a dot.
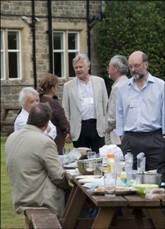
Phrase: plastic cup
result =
(110, 184)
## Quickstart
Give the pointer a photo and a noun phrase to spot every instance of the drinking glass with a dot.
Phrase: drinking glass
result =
(91, 155)
(110, 184)
(89, 165)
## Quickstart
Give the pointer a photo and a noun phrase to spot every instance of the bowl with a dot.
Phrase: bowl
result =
(152, 179)
(82, 168)
(87, 166)
(143, 188)
(149, 178)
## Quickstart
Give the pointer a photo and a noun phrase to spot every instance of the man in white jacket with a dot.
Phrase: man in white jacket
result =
(85, 103)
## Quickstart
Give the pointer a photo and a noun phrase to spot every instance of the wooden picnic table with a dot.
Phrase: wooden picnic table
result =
(6, 111)
(147, 213)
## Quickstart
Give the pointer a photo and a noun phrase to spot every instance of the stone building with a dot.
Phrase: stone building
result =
(44, 36)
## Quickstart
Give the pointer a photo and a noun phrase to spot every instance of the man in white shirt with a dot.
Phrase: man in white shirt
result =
(29, 97)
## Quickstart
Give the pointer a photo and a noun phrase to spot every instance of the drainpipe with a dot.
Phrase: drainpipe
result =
(49, 5)
(88, 28)
(34, 43)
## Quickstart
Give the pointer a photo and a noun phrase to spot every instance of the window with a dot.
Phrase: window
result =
(66, 47)
(11, 64)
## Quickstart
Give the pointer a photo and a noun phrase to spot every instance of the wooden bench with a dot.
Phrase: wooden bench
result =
(41, 218)
(7, 110)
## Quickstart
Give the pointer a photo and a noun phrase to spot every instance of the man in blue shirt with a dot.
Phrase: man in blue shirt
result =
(140, 118)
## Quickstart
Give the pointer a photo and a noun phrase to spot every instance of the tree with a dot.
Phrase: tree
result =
(130, 26)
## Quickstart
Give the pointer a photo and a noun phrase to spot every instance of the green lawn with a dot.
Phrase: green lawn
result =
(9, 219)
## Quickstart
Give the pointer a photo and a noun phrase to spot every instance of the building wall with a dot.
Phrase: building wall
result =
(66, 15)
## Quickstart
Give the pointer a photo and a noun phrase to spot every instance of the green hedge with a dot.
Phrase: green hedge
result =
(130, 26)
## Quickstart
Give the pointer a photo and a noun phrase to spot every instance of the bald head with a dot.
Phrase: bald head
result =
(138, 64)
(138, 56)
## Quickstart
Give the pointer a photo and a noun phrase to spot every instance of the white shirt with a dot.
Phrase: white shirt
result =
(86, 97)
(21, 121)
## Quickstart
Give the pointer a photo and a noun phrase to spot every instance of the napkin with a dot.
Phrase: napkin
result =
(97, 182)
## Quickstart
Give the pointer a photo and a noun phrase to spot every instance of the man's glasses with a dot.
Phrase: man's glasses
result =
(135, 66)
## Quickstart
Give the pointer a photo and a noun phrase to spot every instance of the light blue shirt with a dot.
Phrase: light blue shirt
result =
(86, 96)
(141, 110)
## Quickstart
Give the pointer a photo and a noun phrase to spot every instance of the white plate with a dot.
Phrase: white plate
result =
(87, 180)
(83, 177)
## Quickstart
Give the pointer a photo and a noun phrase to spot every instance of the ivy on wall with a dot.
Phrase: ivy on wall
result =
(130, 26)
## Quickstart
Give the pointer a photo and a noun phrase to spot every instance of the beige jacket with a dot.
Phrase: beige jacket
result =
(36, 176)
(71, 104)
(111, 137)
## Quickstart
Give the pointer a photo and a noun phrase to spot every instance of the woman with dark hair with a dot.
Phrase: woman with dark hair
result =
(47, 91)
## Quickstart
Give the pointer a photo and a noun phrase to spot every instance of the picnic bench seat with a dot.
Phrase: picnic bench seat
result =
(41, 218)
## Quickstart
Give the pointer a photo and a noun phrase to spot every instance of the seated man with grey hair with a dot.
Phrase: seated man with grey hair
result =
(29, 97)
(117, 70)
(36, 175)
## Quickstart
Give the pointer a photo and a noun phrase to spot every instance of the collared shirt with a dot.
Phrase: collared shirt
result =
(21, 121)
(111, 113)
(141, 110)
(86, 97)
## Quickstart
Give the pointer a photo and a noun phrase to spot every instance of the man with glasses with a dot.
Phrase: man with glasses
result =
(140, 120)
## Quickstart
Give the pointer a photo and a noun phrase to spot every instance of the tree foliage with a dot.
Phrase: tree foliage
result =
(130, 26)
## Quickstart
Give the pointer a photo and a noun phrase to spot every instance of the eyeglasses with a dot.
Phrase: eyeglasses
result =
(136, 66)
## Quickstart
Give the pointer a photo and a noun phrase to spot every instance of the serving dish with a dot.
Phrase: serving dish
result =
(143, 188)
(119, 191)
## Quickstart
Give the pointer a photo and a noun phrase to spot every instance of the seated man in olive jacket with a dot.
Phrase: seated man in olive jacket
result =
(36, 176)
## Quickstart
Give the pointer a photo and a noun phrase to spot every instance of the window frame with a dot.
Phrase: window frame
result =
(3, 56)
(66, 51)
(18, 52)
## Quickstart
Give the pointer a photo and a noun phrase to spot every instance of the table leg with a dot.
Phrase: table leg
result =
(73, 209)
(157, 218)
(104, 218)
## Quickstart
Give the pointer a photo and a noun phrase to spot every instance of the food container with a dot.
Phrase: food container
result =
(152, 179)
(143, 188)
(82, 166)
(149, 178)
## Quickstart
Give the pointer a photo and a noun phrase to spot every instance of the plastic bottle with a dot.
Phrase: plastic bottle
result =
(128, 164)
(111, 163)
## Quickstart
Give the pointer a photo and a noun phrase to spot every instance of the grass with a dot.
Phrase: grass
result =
(9, 219)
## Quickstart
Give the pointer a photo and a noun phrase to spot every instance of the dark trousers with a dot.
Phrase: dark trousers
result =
(89, 136)
(153, 146)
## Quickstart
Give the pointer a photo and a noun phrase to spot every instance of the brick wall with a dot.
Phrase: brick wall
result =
(65, 14)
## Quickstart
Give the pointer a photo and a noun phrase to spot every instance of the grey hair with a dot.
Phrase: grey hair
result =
(83, 57)
(24, 93)
(144, 57)
(121, 62)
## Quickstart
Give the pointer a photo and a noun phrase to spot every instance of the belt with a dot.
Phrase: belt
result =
(92, 120)
(143, 133)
